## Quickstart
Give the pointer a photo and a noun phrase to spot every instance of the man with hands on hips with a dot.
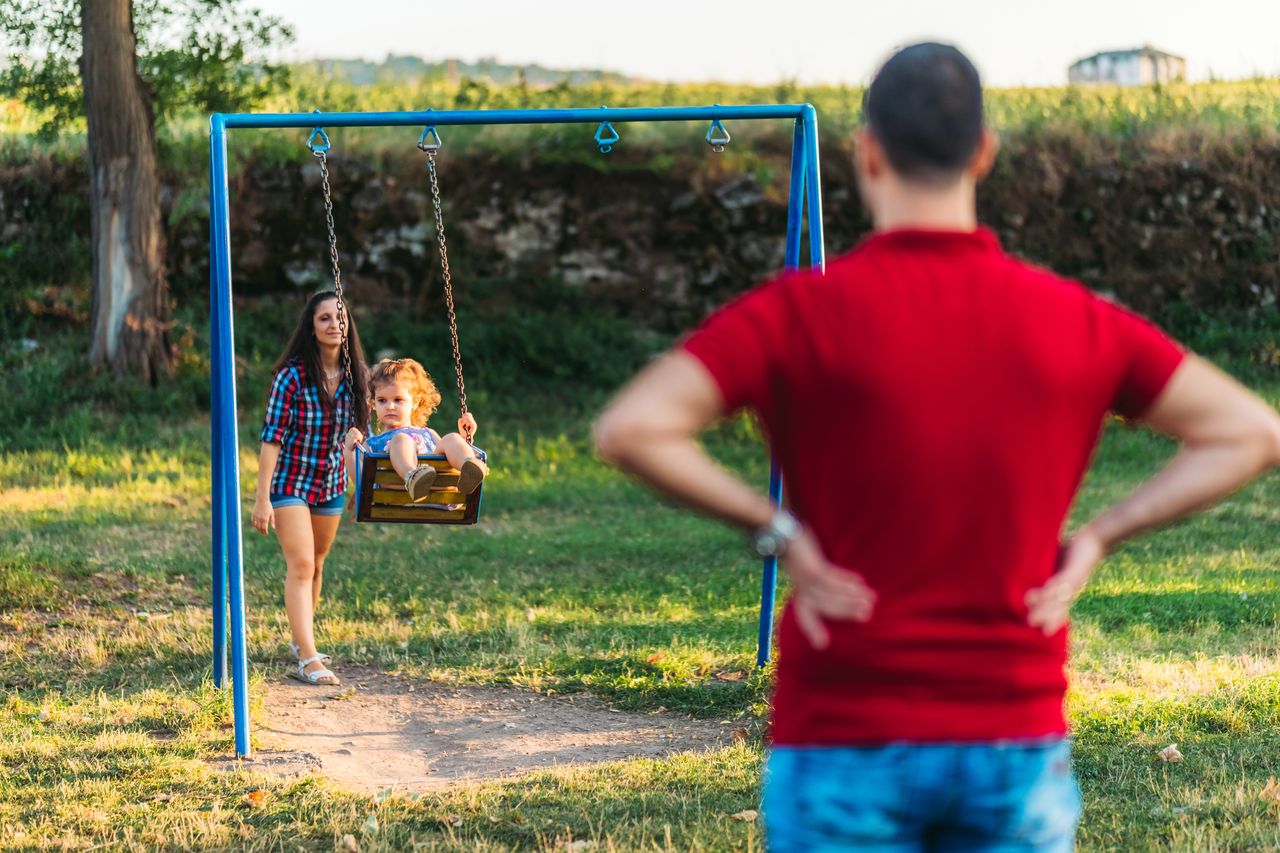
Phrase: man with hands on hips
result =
(933, 403)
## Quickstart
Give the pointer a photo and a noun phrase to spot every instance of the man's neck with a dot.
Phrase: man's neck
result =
(907, 206)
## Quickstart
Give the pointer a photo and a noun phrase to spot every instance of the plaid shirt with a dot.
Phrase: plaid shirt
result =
(309, 434)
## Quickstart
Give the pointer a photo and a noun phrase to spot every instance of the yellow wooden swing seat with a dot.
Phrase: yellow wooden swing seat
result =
(381, 495)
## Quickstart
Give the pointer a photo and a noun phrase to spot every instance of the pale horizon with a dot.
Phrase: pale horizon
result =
(1013, 44)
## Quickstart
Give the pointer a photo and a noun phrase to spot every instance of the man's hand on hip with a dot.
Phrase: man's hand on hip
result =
(1049, 606)
(824, 591)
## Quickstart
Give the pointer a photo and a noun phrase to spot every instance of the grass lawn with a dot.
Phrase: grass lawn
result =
(576, 581)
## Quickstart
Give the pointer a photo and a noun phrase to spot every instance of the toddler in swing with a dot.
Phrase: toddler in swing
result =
(403, 398)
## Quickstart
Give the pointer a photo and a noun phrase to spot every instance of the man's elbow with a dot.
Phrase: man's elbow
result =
(613, 435)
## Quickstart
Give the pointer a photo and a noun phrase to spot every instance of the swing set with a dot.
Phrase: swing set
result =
(380, 494)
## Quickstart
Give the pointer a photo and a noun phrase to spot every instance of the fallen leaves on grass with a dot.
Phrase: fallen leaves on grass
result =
(656, 657)
(746, 815)
(1170, 754)
(257, 798)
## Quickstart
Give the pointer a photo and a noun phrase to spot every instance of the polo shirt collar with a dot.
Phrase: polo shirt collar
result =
(982, 238)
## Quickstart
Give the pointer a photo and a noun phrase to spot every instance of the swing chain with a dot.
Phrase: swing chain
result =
(448, 281)
(322, 156)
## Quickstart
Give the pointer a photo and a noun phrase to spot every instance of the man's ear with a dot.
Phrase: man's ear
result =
(984, 159)
(868, 154)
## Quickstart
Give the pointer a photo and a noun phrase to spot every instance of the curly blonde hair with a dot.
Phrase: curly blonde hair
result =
(407, 372)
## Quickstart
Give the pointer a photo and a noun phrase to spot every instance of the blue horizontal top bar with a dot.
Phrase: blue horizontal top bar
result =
(461, 117)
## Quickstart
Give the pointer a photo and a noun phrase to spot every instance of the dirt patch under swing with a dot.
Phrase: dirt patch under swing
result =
(378, 731)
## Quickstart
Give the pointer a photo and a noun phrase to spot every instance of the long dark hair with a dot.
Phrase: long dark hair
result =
(302, 346)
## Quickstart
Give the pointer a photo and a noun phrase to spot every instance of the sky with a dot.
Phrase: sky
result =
(1027, 42)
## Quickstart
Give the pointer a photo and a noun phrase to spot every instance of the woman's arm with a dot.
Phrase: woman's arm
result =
(263, 517)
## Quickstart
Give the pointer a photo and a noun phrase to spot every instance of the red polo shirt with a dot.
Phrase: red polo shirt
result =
(933, 403)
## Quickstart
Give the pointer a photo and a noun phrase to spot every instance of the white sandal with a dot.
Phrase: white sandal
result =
(297, 653)
(317, 677)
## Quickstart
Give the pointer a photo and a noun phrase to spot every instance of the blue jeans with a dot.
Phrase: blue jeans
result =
(997, 797)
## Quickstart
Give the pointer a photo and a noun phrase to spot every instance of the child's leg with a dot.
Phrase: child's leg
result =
(404, 454)
(404, 458)
(456, 450)
(471, 470)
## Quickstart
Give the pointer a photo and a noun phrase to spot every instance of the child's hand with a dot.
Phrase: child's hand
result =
(467, 426)
(353, 437)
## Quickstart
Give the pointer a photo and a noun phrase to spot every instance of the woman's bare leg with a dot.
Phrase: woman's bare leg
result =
(323, 530)
(297, 541)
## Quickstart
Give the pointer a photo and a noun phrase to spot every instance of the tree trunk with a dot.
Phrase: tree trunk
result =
(130, 290)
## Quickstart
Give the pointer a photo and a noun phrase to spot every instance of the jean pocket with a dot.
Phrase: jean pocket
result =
(837, 799)
(1049, 802)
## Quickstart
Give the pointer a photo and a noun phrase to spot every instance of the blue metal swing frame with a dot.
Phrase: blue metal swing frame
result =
(228, 552)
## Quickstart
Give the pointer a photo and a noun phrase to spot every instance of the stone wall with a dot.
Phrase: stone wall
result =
(1188, 221)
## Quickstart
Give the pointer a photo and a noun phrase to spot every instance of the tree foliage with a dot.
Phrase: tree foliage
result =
(207, 55)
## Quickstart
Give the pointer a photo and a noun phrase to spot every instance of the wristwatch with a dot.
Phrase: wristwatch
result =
(773, 539)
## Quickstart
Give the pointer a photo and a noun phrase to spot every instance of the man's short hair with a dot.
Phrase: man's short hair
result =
(925, 108)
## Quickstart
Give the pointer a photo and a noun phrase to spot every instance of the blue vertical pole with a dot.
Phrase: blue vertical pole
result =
(791, 262)
(227, 440)
(813, 190)
(219, 526)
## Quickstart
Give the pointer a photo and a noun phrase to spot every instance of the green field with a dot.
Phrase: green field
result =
(1241, 107)
(108, 717)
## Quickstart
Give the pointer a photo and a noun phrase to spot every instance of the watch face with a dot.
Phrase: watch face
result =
(772, 539)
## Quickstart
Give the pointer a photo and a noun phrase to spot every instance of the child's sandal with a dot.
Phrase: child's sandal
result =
(471, 475)
(321, 677)
(419, 482)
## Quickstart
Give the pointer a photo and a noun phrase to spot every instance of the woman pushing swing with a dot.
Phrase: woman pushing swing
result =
(320, 391)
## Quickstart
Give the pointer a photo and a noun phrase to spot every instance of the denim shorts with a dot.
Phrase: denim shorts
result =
(909, 798)
(333, 506)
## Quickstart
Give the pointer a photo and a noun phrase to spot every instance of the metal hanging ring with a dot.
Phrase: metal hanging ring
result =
(430, 141)
(717, 136)
(606, 137)
(318, 141)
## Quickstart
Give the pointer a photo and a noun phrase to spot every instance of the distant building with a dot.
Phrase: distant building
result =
(1140, 66)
